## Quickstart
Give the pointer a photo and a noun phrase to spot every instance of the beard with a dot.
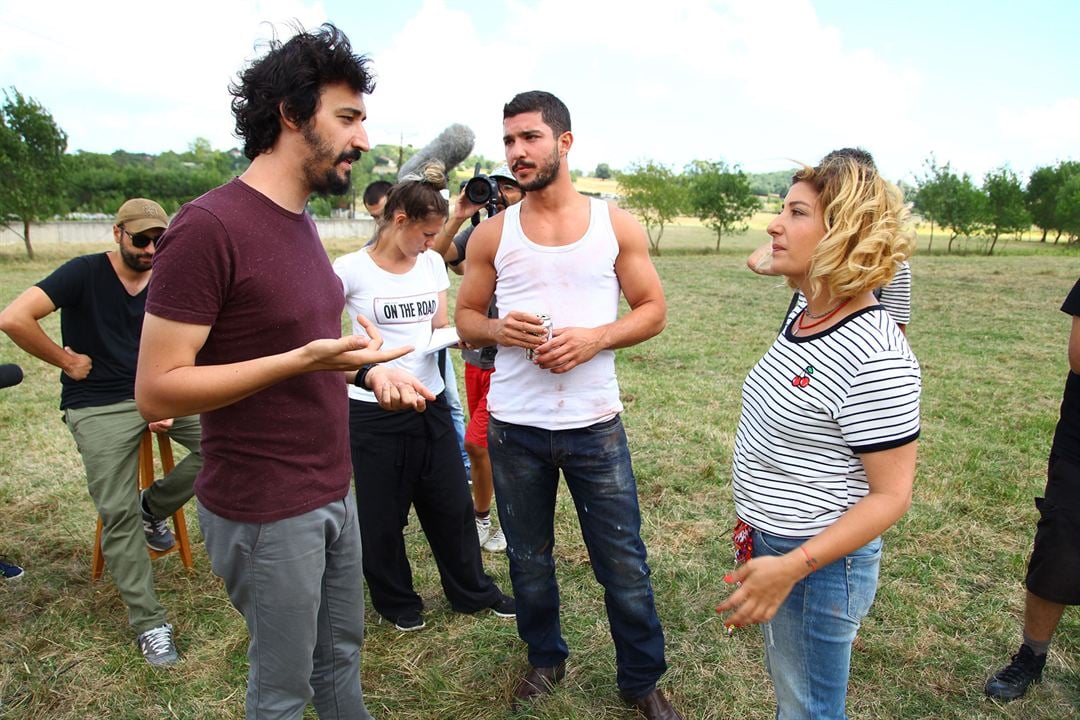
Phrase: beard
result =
(320, 168)
(545, 174)
(135, 260)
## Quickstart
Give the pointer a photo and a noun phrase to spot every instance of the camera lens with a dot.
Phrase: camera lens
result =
(480, 189)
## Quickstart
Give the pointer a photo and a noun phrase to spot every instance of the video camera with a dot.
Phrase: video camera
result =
(484, 190)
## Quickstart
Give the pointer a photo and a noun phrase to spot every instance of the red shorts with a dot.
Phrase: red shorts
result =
(477, 384)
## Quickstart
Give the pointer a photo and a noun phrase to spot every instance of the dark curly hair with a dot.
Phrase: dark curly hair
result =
(291, 76)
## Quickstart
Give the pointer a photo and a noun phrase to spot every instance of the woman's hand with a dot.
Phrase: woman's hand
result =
(762, 585)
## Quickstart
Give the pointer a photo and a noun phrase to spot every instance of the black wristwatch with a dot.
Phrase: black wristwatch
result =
(360, 380)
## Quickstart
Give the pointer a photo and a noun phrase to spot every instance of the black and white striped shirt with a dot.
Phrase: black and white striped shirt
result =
(809, 407)
(896, 296)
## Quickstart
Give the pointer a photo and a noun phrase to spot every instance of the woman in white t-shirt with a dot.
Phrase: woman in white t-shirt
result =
(403, 459)
(824, 458)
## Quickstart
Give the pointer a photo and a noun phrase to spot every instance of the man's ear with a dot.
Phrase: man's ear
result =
(116, 233)
(565, 141)
(283, 113)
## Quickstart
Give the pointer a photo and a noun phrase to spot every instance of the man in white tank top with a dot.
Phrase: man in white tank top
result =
(566, 256)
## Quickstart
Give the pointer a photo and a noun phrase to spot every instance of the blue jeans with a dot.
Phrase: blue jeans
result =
(808, 642)
(453, 399)
(595, 461)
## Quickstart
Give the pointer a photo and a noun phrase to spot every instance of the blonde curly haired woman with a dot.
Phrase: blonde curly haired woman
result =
(824, 457)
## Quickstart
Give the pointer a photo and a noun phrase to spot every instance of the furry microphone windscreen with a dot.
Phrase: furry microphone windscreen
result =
(451, 147)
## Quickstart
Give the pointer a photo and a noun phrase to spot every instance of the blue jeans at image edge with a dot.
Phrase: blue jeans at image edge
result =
(595, 461)
(808, 642)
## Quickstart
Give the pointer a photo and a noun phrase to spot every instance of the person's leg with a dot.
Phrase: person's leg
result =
(274, 574)
(335, 677)
(1053, 579)
(477, 384)
(169, 493)
(108, 441)
(381, 464)
(808, 641)
(453, 399)
(1041, 618)
(526, 480)
(596, 463)
(444, 509)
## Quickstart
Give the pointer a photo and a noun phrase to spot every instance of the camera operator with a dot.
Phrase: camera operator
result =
(479, 363)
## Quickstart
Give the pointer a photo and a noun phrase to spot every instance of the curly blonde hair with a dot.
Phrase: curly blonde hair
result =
(867, 225)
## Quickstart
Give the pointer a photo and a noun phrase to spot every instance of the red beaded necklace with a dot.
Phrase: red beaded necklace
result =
(819, 318)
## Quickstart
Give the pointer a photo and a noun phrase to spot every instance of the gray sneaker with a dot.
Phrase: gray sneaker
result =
(496, 543)
(157, 646)
(158, 535)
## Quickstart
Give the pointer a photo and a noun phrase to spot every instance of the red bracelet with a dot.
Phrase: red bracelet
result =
(810, 562)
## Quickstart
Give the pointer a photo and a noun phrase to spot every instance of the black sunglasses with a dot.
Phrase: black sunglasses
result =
(140, 240)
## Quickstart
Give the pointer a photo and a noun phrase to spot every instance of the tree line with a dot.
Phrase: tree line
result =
(720, 196)
(1002, 205)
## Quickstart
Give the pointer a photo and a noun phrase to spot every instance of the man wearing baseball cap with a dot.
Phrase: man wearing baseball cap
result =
(101, 298)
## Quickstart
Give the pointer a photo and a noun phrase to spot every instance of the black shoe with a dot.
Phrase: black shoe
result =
(9, 571)
(1013, 680)
(158, 536)
(409, 623)
(504, 607)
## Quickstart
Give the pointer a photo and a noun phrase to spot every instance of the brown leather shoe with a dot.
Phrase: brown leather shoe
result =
(538, 681)
(655, 706)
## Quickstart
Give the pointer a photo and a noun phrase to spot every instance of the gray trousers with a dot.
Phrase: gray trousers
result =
(298, 582)
(108, 440)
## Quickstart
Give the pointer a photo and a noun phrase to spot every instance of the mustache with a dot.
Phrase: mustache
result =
(351, 155)
(523, 164)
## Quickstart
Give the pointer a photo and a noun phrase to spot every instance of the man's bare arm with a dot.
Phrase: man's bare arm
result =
(20, 320)
(518, 328)
(169, 384)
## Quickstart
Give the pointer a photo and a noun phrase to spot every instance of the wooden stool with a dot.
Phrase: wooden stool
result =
(145, 480)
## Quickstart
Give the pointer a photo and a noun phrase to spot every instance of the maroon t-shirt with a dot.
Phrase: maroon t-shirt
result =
(260, 278)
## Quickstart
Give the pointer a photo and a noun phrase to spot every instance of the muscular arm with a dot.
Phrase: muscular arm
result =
(20, 320)
(521, 329)
(570, 347)
(766, 581)
(169, 384)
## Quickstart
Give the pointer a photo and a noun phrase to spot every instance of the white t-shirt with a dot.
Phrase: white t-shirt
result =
(810, 406)
(401, 306)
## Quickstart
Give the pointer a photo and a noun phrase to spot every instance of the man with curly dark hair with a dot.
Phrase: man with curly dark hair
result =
(243, 325)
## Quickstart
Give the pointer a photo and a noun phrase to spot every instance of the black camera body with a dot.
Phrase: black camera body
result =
(482, 189)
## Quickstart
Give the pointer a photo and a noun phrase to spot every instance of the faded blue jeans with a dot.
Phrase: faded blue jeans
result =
(808, 642)
(595, 461)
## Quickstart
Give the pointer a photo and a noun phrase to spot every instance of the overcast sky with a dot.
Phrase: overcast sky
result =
(754, 82)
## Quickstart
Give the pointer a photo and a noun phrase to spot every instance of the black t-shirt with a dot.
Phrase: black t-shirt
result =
(100, 319)
(1067, 435)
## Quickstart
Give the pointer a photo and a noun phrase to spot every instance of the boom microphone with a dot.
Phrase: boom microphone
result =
(450, 148)
(10, 375)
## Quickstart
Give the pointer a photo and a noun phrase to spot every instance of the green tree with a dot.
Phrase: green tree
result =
(603, 171)
(653, 193)
(928, 195)
(963, 207)
(1043, 191)
(31, 163)
(1068, 207)
(719, 196)
(1005, 210)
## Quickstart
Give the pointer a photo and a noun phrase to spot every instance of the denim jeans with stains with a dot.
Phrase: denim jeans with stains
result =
(595, 461)
(808, 641)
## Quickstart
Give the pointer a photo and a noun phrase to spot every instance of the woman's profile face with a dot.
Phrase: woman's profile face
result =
(796, 231)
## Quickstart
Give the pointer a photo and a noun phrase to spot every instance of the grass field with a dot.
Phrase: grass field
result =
(992, 346)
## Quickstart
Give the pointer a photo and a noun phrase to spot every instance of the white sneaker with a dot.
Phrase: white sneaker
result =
(496, 543)
(483, 530)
